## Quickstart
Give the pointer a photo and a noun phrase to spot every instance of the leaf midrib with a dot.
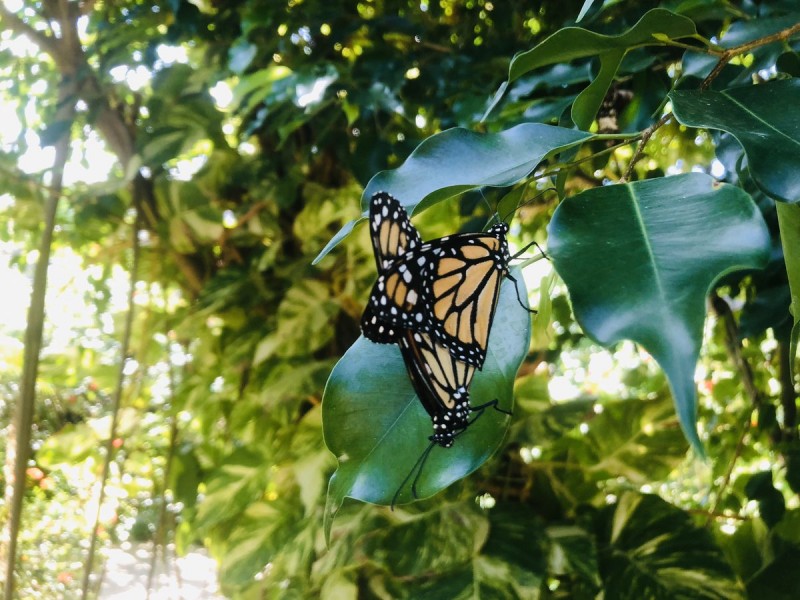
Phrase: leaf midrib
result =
(645, 236)
(758, 118)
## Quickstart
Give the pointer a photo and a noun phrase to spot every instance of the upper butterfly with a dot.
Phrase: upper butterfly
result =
(447, 287)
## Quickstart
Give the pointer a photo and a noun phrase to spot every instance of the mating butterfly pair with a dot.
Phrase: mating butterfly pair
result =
(437, 301)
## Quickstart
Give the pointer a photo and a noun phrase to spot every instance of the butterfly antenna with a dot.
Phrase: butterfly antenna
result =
(420, 463)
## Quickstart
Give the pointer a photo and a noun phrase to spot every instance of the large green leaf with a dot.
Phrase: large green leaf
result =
(639, 258)
(789, 221)
(760, 118)
(454, 161)
(457, 160)
(653, 550)
(377, 428)
(573, 43)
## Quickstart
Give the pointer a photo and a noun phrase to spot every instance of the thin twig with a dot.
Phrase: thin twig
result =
(727, 479)
(734, 348)
(724, 59)
(731, 53)
(637, 154)
(115, 407)
(715, 515)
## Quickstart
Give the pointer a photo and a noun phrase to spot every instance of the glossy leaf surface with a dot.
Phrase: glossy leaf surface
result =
(639, 258)
(761, 119)
(377, 428)
(457, 160)
(573, 43)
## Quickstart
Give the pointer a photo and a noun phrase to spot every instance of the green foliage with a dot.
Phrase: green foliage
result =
(246, 133)
(639, 269)
(770, 136)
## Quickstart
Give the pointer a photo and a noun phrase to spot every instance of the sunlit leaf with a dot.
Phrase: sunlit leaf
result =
(304, 319)
(639, 258)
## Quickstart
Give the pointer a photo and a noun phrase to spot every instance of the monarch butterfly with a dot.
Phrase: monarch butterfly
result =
(440, 378)
(447, 287)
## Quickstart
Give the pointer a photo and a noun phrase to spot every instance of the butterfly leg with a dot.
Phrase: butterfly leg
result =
(493, 404)
(421, 464)
(538, 247)
(519, 298)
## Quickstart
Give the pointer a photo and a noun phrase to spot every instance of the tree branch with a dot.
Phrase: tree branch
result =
(731, 53)
(726, 57)
(646, 135)
(18, 26)
(116, 403)
(24, 410)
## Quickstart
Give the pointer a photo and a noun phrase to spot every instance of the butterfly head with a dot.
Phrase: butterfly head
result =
(499, 229)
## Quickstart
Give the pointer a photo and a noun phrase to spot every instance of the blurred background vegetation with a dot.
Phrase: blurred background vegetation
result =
(194, 157)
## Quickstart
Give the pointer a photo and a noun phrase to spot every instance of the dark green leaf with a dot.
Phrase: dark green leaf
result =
(572, 43)
(377, 429)
(777, 580)
(771, 504)
(639, 259)
(518, 541)
(757, 117)
(654, 551)
(454, 161)
(458, 160)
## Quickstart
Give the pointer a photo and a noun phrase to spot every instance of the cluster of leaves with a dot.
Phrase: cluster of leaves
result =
(236, 330)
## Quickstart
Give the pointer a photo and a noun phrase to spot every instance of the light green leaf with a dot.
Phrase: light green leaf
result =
(377, 428)
(338, 587)
(304, 319)
(573, 43)
(759, 118)
(71, 445)
(231, 489)
(639, 259)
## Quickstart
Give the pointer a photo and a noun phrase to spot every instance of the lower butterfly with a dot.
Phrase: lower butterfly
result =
(440, 377)
(442, 385)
